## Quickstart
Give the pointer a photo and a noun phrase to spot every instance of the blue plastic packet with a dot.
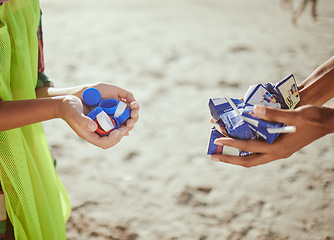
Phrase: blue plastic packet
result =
(218, 106)
(220, 149)
(229, 118)
(238, 120)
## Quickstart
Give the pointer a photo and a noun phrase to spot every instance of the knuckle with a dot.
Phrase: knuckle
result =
(80, 135)
(100, 83)
(129, 95)
(105, 147)
(286, 155)
(310, 114)
(275, 150)
(246, 164)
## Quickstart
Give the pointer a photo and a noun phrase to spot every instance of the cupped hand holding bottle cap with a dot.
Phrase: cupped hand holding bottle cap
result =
(109, 114)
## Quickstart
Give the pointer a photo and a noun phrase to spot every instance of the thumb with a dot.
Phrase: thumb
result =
(275, 115)
(88, 124)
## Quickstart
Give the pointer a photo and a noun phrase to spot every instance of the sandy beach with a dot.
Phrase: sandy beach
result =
(158, 183)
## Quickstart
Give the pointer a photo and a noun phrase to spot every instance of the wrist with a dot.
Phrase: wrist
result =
(59, 101)
(67, 106)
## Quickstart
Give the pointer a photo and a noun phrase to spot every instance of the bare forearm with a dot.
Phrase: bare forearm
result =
(14, 114)
(318, 88)
(328, 116)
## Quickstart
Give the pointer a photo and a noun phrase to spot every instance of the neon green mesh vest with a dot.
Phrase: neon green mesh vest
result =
(36, 201)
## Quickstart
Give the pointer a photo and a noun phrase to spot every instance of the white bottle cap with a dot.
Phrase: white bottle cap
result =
(120, 109)
(104, 120)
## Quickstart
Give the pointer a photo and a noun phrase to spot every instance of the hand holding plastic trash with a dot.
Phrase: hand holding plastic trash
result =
(312, 119)
(109, 114)
(236, 118)
(310, 126)
(74, 111)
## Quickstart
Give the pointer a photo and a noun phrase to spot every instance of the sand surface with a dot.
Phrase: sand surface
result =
(158, 183)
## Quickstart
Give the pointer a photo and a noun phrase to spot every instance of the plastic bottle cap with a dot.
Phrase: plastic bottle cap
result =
(104, 121)
(109, 105)
(91, 97)
(124, 116)
(92, 114)
(120, 109)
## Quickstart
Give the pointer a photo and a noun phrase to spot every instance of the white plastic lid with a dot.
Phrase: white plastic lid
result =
(120, 109)
(104, 120)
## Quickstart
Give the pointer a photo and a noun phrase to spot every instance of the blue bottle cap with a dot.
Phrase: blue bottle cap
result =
(91, 97)
(117, 124)
(124, 116)
(92, 114)
(109, 105)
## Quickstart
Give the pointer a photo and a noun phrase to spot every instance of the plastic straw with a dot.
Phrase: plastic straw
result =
(287, 129)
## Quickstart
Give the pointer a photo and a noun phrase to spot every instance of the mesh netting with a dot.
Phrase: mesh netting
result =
(36, 201)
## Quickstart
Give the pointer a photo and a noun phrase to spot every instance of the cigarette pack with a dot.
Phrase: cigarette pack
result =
(283, 94)
(218, 106)
(287, 89)
(229, 119)
(219, 149)
(259, 126)
(259, 95)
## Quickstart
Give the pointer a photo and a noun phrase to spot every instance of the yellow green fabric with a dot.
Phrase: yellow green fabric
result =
(36, 201)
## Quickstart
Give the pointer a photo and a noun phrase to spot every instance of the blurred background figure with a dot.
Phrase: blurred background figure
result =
(286, 4)
(301, 7)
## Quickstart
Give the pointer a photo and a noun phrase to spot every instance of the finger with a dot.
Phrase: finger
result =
(91, 137)
(276, 115)
(124, 94)
(245, 145)
(134, 106)
(123, 131)
(111, 140)
(134, 115)
(248, 161)
(83, 123)
(130, 124)
(212, 120)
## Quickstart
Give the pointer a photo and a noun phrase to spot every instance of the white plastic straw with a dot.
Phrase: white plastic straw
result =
(287, 129)
(251, 121)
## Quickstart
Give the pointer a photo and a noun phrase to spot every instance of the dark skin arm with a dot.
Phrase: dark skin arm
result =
(67, 105)
(318, 88)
